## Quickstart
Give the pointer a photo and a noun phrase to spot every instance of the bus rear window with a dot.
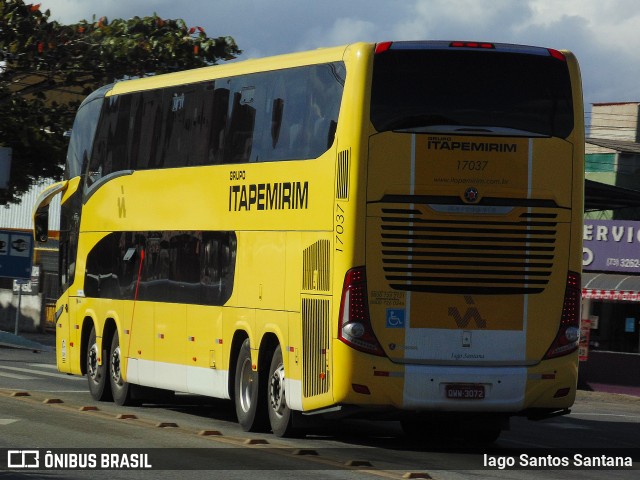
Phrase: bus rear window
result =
(471, 90)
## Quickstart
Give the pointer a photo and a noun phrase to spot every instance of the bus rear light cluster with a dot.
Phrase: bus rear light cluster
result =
(383, 47)
(568, 335)
(355, 323)
(472, 45)
(557, 55)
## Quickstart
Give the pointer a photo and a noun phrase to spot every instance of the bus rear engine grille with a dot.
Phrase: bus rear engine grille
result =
(467, 256)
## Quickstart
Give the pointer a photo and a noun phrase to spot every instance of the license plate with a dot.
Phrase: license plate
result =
(465, 391)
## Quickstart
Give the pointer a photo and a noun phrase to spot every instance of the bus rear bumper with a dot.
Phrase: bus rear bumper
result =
(447, 388)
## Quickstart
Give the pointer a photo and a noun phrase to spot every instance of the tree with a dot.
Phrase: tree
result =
(46, 68)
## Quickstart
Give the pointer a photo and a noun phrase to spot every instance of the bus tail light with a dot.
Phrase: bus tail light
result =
(568, 336)
(557, 55)
(486, 45)
(383, 47)
(355, 323)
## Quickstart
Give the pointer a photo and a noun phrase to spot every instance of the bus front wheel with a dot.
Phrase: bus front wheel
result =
(279, 412)
(97, 369)
(248, 396)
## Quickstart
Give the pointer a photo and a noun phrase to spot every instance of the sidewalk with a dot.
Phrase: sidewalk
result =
(624, 389)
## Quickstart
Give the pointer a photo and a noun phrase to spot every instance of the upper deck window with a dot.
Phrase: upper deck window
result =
(471, 90)
(288, 114)
(83, 133)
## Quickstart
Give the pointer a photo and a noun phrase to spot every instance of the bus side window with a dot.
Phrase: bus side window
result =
(219, 115)
(111, 150)
(276, 120)
(239, 134)
(146, 130)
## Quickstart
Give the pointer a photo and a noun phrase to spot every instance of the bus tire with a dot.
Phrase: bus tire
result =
(97, 375)
(279, 412)
(120, 389)
(249, 399)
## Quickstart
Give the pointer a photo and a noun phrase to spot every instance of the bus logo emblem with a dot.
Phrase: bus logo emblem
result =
(471, 194)
(472, 313)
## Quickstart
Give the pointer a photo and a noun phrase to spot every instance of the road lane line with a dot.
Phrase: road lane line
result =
(46, 374)
(577, 414)
(16, 376)
(43, 365)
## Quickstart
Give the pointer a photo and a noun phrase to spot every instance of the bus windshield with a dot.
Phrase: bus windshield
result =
(482, 91)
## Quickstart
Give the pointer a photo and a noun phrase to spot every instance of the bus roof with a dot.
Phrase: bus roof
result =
(231, 69)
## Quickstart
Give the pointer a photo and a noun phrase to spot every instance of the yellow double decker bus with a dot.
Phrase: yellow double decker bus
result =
(387, 229)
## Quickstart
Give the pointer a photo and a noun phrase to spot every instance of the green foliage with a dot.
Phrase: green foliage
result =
(47, 68)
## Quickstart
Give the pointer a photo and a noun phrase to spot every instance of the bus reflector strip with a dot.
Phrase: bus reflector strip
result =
(562, 392)
(363, 389)
(191, 339)
(541, 376)
(161, 335)
(384, 373)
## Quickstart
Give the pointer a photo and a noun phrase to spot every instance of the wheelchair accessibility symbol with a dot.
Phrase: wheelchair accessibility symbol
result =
(395, 318)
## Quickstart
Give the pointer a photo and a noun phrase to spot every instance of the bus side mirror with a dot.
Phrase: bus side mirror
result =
(41, 210)
(41, 223)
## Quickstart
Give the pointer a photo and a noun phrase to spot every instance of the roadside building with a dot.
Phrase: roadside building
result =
(611, 249)
(39, 294)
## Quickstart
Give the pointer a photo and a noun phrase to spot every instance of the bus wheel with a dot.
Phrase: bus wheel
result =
(279, 412)
(250, 404)
(96, 373)
(120, 389)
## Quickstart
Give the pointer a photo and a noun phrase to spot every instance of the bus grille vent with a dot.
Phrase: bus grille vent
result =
(315, 346)
(316, 267)
(342, 181)
(467, 256)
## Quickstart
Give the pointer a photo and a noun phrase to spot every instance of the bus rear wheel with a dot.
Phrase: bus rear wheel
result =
(97, 369)
(120, 389)
(279, 412)
(248, 394)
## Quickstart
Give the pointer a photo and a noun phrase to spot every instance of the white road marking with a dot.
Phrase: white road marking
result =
(16, 376)
(46, 374)
(43, 365)
(577, 414)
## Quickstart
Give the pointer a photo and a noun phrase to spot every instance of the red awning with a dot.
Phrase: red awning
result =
(611, 287)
